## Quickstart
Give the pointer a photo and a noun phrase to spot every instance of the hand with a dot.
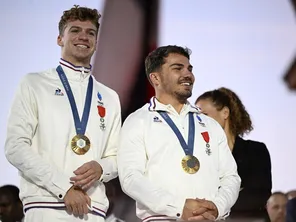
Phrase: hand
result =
(87, 174)
(210, 214)
(76, 201)
(192, 205)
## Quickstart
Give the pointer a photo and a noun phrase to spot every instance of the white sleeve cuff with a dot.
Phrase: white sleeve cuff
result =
(221, 214)
(176, 209)
(109, 169)
(60, 186)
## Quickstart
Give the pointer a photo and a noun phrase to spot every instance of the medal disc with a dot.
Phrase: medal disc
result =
(80, 144)
(190, 164)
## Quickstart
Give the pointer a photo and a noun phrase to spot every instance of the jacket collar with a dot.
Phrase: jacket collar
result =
(75, 72)
(155, 106)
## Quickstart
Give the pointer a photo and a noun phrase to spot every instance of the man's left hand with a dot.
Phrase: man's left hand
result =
(87, 174)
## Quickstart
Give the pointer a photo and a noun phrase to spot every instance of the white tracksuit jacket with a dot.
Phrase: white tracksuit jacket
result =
(41, 126)
(149, 163)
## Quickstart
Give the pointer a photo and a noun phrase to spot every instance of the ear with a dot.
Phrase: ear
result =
(60, 41)
(225, 112)
(155, 78)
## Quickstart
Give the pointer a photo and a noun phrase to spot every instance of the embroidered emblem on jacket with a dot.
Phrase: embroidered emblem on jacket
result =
(101, 111)
(58, 92)
(156, 119)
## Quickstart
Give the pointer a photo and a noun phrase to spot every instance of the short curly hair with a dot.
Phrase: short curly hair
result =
(79, 13)
(240, 120)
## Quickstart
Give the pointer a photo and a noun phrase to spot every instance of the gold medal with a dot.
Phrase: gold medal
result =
(80, 144)
(190, 164)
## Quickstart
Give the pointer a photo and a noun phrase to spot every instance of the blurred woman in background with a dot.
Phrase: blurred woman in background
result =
(252, 157)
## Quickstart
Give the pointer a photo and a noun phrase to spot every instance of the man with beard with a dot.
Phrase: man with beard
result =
(170, 177)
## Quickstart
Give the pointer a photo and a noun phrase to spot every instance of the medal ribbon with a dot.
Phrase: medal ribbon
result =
(188, 148)
(80, 126)
(206, 137)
